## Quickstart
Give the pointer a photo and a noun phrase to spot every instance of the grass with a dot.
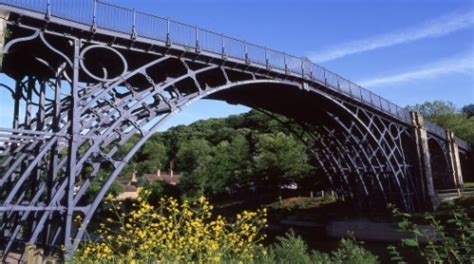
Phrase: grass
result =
(469, 185)
(292, 203)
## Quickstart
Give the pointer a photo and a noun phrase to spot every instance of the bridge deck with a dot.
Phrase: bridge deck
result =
(104, 18)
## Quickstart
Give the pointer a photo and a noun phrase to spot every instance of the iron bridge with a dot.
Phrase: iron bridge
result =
(85, 77)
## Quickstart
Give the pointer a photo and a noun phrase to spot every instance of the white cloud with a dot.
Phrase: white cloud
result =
(457, 64)
(438, 27)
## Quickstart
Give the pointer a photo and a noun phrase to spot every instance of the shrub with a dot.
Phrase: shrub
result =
(174, 232)
(349, 251)
(452, 241)
(292, 249)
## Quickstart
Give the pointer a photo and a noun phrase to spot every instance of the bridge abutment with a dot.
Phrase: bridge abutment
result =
(424, 161)
(454, 160)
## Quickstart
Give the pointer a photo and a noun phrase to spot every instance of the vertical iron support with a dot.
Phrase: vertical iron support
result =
(48, 10)
(168, 33)
(74, 116)
(94, 17)
(267, 63)
(29, 102)
(54, 156)
(302, 67)
(224, 56)
(198, 48)
(134, 25)
(246, 51)
(16, 108)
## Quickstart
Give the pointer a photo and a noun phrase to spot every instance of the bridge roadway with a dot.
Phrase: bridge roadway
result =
(90, 76)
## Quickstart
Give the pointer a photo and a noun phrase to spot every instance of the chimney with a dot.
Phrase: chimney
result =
(134, 177)
(171, 168)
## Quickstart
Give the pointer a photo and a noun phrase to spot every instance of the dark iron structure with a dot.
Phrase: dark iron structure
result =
(86, 77)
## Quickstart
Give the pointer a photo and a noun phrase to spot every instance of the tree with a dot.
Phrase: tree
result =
(192, 158)
(445, 115)
(191, 153)
(468, 110)
(434, 109)
(280, 159)
(94, 188)
(213, 170)
(152, 157)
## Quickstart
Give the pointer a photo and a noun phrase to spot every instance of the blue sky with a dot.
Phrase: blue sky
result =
(407, 51)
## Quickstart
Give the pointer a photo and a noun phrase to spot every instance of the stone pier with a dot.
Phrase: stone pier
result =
(424, 161)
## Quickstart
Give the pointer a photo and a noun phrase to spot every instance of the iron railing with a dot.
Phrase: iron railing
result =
(102, 15)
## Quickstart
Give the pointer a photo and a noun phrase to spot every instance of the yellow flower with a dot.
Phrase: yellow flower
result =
(173, 231)
(202, 200)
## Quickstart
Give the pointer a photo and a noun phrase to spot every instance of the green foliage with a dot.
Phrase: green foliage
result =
(349, 251)
(451, 242)
(434, 109)
(94, 188)
(292, 249)
(445, 115)
(152, 157)
(280, 159)
(158, 190)
(468, 110)
(217, 156)
(192, 154)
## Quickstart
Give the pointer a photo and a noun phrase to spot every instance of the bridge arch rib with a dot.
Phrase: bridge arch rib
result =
(114, 108)
(92, 95)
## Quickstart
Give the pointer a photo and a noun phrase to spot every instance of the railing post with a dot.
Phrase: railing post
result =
(198, 48)
(168, 37)
(224, 56)
(134, 27)
(302, 67)
(267, 64)
(48, 9)
(246, 51)
(94, 17)
(286, 63)
(325, 79)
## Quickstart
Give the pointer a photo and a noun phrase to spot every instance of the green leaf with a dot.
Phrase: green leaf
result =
(410, 242)
(417, 232)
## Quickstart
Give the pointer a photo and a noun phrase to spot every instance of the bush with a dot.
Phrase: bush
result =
(452, 241)
(349, 251)
(292, 249)
(161, 189)
(175, 232)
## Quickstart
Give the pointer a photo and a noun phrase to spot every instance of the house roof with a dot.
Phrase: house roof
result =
(165, 178)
